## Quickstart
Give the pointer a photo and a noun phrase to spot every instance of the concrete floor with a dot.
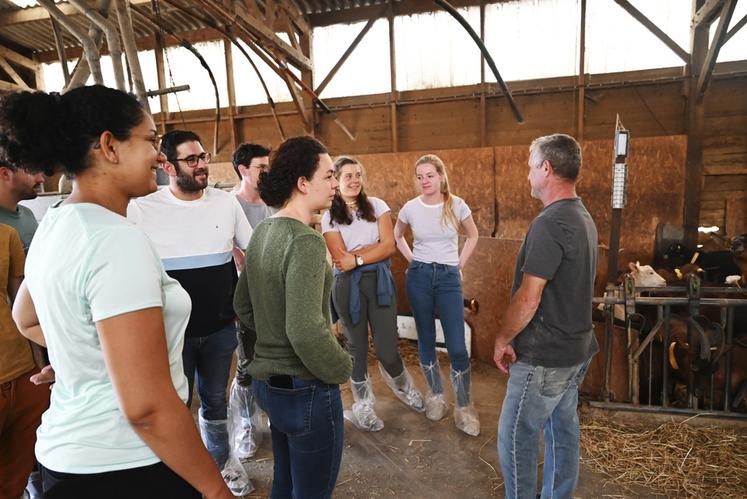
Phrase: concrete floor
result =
(413, 457)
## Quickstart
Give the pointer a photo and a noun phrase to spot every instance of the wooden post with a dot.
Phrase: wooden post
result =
(483, 103)
(163, 98)
(307, 76)
(60, 45)
(393, 77)
(581, 74)
(695, 118)
(231, 93)
(124, 19)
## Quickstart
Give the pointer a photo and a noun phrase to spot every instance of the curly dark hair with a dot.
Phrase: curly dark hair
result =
(338, 212)
(245, 153)
(295, 158)
(41, 132)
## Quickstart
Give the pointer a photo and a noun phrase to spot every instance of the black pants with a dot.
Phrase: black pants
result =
(156, 481)
(247, 339)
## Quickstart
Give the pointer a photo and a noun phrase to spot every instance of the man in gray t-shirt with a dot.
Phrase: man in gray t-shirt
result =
(249, 160)
(17, 185)
(546, 336)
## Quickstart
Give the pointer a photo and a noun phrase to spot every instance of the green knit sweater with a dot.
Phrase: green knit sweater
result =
(283, 294)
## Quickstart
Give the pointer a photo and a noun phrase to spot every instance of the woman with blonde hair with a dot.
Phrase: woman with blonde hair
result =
(434, 287)
(358, 232)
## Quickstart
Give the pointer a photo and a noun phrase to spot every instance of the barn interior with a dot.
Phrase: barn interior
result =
(390, 80)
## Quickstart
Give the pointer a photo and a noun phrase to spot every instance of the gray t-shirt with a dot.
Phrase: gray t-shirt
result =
(255, 213)
(561, 247)
(23, 220)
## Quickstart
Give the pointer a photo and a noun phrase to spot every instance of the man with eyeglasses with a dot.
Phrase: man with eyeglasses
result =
(195, 229)
(249, 160)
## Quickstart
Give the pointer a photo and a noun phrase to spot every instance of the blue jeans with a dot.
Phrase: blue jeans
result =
(432, 286)
(307, 435)
(540, 397)
(209, 357)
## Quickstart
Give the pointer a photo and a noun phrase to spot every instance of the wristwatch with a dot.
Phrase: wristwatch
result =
(358, 260)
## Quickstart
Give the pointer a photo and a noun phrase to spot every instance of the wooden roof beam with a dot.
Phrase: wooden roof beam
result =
(727, 11)
(653, 28)
(40, 13)
(733, 31)
(5, 66)
(19, 59)
(707, 13)
(350, 49)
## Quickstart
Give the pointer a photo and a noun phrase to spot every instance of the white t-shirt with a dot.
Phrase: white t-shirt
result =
(87, 264)
(360, 232)
(192, 234)
(432, 241)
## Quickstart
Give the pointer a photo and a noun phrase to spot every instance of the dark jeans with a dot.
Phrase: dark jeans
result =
(209, 357)
(156, 481)
(307, 435)
(431, 287)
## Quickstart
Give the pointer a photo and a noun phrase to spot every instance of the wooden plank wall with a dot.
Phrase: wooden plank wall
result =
(450, 119)
(493, 182)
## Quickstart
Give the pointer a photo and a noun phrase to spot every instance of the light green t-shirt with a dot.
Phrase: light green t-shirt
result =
(88, 264)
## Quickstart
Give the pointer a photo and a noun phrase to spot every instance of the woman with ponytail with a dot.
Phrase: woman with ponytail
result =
(359, 236)
(97, 297)
(434, 284)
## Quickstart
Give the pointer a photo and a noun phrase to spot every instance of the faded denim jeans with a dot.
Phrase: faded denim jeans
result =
(540, 398)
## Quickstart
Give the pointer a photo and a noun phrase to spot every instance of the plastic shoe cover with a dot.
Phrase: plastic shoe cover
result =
(465, 415)
(246, 419)
(34, 486)
(362, 414)
(435, 406)
(236, 477)
(233, 472)
(404, 389)
(465, 418)
(214, 435)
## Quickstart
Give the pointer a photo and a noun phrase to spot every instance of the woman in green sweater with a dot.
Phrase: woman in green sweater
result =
(283, 294)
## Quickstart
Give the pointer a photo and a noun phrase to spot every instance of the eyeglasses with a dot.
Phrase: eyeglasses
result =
(194, 159)
(154, 139)
(262, 168)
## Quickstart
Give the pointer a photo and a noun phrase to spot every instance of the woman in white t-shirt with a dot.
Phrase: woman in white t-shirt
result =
(358, 232)
(434, 284)
(97, 296)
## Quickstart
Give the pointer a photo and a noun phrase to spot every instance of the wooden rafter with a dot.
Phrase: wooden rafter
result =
(350, 49)
(5, 66)
(19, 59)
(30, 14)
(733, 31)
(708, 12)
(727, 10)
(653, 28)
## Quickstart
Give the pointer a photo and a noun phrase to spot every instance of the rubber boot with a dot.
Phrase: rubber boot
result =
(465, 415)
(435, 403)
(404, 389)
(362, 414)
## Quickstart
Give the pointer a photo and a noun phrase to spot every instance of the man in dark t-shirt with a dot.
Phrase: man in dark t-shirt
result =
(546, 336)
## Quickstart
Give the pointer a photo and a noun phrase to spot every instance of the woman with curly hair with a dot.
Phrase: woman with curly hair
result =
(358, 232)
(283, 295)
(98, 297)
